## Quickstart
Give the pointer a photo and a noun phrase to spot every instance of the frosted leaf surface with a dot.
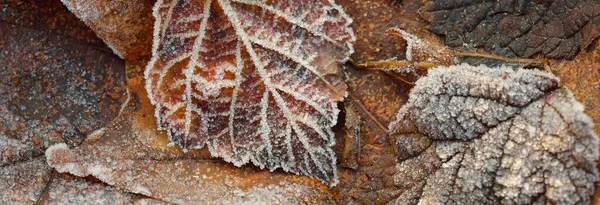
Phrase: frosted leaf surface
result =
(551, 28)
(181, 181)
(108, 18)
(254, 81)
(67, 189)
(55, 85)
(131, 155)
(23, 183)
(495, 135)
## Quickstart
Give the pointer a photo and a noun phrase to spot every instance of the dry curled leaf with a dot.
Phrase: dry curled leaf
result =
(254, 81)
(555, 28)
(494, 135)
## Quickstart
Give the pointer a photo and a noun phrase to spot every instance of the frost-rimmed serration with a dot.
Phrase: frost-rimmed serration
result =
(498, 136)
(253, 81)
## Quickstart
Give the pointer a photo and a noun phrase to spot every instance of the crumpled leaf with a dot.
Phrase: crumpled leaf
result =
(254, 81)
(555, 29)
(477, 135)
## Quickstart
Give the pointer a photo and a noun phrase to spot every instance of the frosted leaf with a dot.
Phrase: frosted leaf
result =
(254, 81)
(551, 28)
(495, 136)
(212, 182)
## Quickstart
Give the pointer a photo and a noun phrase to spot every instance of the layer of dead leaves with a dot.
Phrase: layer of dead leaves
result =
(121, 158)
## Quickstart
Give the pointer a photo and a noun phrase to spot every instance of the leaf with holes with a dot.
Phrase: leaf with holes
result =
(479, 135)
(254, 81)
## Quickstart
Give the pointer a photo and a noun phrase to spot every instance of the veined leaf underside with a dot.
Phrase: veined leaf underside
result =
(498, 136)
(254, 81)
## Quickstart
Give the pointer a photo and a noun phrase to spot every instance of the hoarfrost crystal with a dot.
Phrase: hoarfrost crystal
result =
(252, 80)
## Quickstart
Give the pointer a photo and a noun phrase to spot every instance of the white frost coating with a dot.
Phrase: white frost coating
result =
(22, 183)
(12, 150)
(73, 190)
(255, 82)
(499, 136)
(179, 181)
(62, 159)
(412, 42)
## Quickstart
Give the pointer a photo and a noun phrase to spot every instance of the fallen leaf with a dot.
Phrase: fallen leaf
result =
(367, 175)
(494, 135)
(58, 83)
(53, 88)
(253, 81)
(133, 155)
(554, 29)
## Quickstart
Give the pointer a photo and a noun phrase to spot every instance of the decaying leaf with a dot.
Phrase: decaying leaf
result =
(555, 28)
(478, 135)
(254, 81)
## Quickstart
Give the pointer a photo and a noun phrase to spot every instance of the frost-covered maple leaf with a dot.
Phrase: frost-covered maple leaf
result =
(480, 135)
(253, 80)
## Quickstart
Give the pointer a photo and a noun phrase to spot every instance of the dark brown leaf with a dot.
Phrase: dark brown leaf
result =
(53, 88)
(58, 83)
(555, 28)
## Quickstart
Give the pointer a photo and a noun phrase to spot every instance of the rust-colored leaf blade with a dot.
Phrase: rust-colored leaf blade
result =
(255, 82)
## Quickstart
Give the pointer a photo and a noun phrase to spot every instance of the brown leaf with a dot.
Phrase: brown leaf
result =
(134, 156)
(554, 29)
(375, 95)
(58, 83)
(53, 88)
(253, 81)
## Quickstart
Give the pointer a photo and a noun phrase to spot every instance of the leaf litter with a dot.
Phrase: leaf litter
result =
(156, 149)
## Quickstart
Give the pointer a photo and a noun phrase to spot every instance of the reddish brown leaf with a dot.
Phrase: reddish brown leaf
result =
(53, 87)
(58, 83)
(255, 82)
